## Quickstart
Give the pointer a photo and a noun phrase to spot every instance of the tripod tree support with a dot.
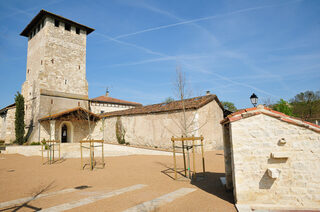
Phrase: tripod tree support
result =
(188, 143)
(49, 146)
(91, 147)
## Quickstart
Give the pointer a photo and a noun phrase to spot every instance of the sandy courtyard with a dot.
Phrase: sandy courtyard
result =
(22, 176)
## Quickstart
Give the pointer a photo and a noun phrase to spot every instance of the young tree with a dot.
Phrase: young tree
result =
(187, 121)
(19, 118)
(229, 106)
(283, 107)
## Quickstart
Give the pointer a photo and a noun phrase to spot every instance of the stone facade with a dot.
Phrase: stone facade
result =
(272, 160)
(7, 128)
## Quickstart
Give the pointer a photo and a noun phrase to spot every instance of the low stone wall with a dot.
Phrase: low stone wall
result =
(73, 151)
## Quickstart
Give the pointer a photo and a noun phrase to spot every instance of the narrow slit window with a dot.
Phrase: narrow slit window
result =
(65, 82)
(78, 31)
(67, 27)
(56, 23)
(51, 101)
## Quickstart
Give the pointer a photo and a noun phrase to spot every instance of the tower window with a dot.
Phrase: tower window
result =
(41, 62)
(56, 23)
(79, 67)
(78, 104)
(52, 60)
(77, 30)
(51, 101)
(67, 27)
(28, 71)
(65, 82)
(38, 27)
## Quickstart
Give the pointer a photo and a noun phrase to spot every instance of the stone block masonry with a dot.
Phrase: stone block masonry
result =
(272, 160)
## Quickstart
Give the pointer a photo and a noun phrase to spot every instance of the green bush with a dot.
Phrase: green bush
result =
(35, 143)
(120, 132)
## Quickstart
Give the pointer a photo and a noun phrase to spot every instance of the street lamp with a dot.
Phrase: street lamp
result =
(254, 99)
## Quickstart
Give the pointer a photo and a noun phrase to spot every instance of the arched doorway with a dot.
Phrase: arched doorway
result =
(64, 134)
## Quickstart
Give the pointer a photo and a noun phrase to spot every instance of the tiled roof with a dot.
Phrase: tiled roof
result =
(43, 13)
(245, 113)
(193, 103)
(77, 111)
(3, 110)
(108, 99)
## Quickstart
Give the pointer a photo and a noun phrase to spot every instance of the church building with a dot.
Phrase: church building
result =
(57, 106)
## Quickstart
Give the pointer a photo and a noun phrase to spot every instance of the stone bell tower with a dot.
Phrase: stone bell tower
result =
(56, 66)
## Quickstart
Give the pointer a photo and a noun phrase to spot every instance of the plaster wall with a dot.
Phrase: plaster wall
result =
(208, 124)
(97, 107)
(253, 142)
(156, 130)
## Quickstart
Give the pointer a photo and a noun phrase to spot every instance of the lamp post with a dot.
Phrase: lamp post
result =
(254, 99)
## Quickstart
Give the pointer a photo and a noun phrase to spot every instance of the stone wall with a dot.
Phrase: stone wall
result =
(274, 163)
(64, 60)
(156, 129)
(7, 128)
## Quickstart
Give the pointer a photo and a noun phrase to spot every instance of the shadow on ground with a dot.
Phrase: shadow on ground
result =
(211, 183)
(27, 205)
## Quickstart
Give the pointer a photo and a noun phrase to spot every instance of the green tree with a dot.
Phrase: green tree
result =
(229, 106)
(19, 118)
(283, 107)
(306, 105)
(168, 100)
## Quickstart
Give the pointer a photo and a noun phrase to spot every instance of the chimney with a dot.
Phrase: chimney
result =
(208, 93)
(107, 92)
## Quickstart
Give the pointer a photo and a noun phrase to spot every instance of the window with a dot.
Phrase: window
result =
(79, 67)
(78, 104)
(51, 101)
(56, 23)
(102, 111)
(77, 30)
(41, 62)
(67, 27)
(65, 82)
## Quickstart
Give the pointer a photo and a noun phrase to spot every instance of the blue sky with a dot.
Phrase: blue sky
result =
(232, 48)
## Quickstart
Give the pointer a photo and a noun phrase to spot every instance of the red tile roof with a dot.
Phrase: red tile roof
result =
(193, 103)
(245, 113)
(77, 111)
(107, 99)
